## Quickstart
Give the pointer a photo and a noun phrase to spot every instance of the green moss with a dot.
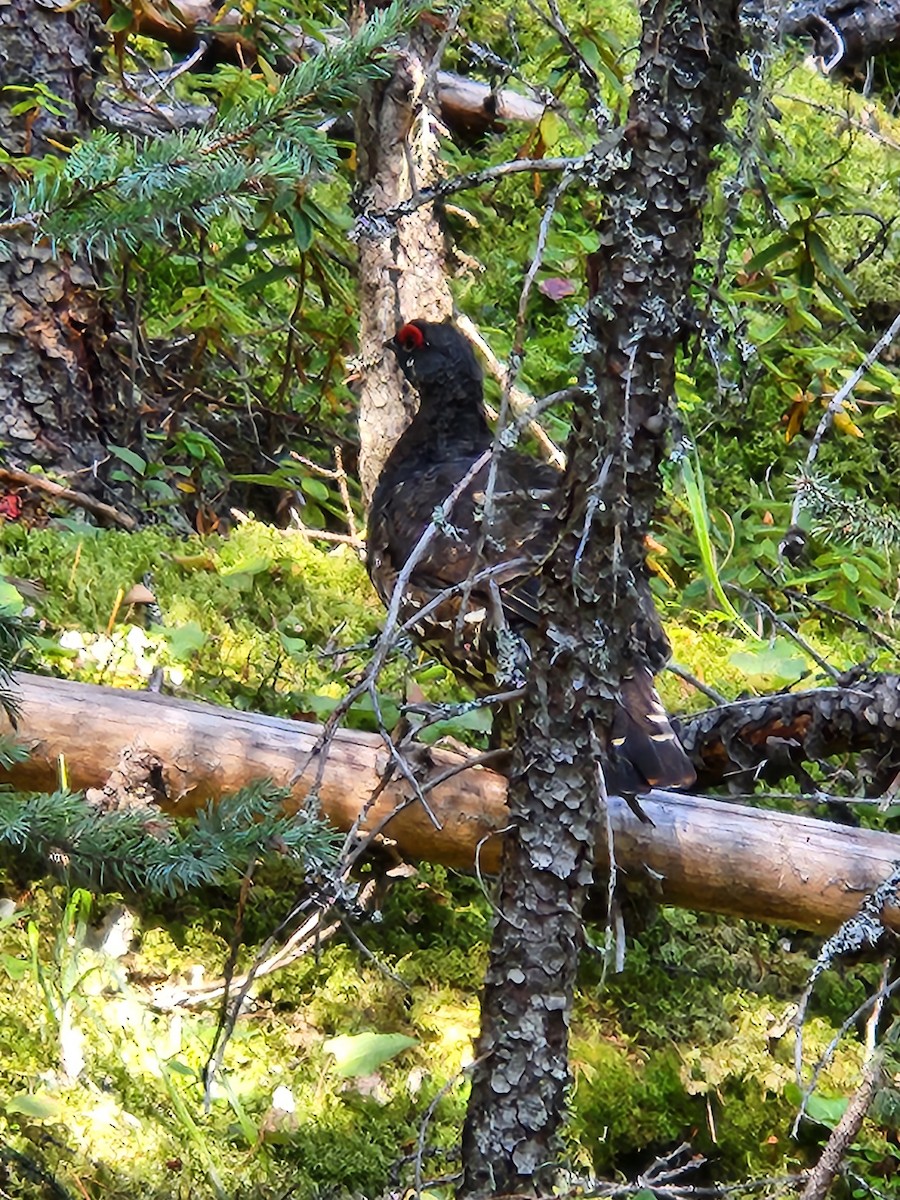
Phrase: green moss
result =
(625, 1105)
(246, 617)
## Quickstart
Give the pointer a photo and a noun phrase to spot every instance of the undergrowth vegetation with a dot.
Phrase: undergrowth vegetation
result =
(345, 1073)
(103, 1083)
(103, 1080)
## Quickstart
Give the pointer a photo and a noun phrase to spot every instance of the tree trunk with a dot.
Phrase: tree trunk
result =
(594, 628)
(401, 270)
(56, 373)
(703, 854)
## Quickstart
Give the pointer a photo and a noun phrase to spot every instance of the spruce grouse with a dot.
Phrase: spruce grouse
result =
(480, 629)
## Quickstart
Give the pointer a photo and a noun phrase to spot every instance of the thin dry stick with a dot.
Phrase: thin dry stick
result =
(474, 179)
(683, 673)
(97, 507)
(339, 476)
(521, 403)
(345, 492)
(779, 623)
(514, 364)
(813, 603)
(860, 932)
(323, 535)
(311, 933)
(844, 1133)
(426, 1121)
(836, 405)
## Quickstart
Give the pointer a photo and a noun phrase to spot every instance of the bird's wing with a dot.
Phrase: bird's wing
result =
(521, 514)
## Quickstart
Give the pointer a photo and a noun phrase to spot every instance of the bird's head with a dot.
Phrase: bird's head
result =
(433, 355)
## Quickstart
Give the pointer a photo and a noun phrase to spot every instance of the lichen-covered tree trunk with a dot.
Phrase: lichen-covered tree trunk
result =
(55, 373)
(403, 275)
(592, 630)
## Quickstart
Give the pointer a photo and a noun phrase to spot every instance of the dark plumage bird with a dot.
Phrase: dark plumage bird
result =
(480, 630)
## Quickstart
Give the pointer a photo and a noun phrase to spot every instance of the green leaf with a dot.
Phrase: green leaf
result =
(11, 601)
(185, 640)
(827, 1110)
(180, 1068)
(315, 488)
(821, 256)
(806, 273)
(775, 665)
(692, 477)
(16, 968)
(247, 566)
(365, 1052)
(137, 464)
(121, 19)
(302, 227)
(39, 1108)
(765, 328)
(253, 285)
(850, 571)
(284, 476)
(782, 245)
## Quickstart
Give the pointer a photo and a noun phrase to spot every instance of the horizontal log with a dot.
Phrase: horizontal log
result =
(700, 853)
(772, 737)
(466, 105)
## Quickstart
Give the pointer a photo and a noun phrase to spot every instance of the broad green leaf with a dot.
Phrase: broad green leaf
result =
(247, 566)
(363, 1053)
(256, 282)
(39, 1108)
(827, 1110)
(764, 328)
(180, 1068)
(774, 665)
(302, 227)
(137, 464)
(782, 245)
(16, 968)
(121, 18)
(692, 477)
(10, 598)
(821, 256)
(315, 488)
(185, 640)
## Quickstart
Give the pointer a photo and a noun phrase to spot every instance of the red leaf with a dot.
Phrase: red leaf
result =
(557, 289)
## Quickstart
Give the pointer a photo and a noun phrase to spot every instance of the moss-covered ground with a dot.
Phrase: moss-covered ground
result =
(101, 1091)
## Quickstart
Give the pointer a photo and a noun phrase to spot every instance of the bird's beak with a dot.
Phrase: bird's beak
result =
(391, 344)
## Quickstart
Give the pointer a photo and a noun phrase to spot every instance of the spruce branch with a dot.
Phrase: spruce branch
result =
(837, 404)
(114, 190)
(16, 633)
(141, 849)
(838, 517)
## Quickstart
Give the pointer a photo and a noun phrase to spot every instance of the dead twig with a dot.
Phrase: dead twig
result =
(42, 484)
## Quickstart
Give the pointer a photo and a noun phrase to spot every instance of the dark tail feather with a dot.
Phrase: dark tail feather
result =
(645, 751)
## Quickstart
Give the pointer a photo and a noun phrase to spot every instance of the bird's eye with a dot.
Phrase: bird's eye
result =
(410, 337)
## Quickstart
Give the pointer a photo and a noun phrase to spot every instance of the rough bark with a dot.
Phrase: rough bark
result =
(771, 737)
(685, 84)
(401, 275)
(55, 371)
(844, 33)
(694, 852)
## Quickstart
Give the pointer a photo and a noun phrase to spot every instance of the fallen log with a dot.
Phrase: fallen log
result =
(467, 106)
(698, 853)
(771, 737)
(845, 33)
